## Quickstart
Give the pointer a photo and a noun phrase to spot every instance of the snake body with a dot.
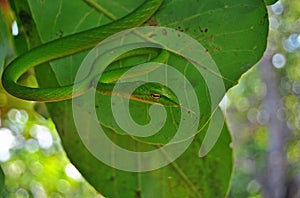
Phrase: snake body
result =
(76, 43)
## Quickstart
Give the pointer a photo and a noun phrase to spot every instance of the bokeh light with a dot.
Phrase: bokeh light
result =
(72, 172)
(14, 28)
(43, 136)
(7, 140)
(278, 60)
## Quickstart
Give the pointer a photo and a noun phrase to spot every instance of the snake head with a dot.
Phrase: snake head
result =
(151, 93)
(155, 93)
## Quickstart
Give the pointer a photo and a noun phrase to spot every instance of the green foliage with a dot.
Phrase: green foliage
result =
(36, 168)
(222, 39)
(4, 41)
(1, 180)
(233, 32)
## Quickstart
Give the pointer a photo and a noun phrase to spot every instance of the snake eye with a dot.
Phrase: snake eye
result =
(155, 96)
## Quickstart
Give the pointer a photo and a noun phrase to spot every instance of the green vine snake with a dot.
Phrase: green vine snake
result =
(148, 93)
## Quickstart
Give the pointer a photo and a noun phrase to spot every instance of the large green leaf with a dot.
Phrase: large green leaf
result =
(233, 33)
(188, 176)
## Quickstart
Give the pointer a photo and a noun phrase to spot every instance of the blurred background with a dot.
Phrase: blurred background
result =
(263, 113)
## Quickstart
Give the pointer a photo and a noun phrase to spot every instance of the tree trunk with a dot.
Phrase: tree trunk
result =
(274, 184)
